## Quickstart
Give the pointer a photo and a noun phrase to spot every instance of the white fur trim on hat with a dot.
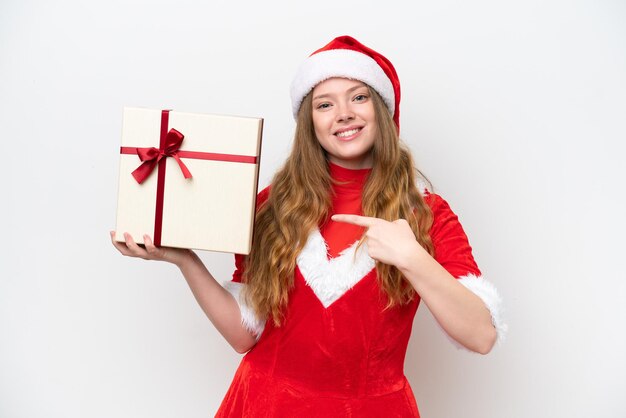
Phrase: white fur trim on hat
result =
(248, 317)
(344, 63)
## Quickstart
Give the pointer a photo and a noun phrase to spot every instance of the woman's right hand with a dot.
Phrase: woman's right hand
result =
(149, 251)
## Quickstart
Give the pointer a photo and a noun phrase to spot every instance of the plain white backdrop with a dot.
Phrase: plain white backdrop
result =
(515, 110)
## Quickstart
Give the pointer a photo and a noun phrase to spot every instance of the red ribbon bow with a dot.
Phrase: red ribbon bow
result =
(150, 157)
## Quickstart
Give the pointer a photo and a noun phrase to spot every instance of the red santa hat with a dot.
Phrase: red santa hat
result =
(346, 57)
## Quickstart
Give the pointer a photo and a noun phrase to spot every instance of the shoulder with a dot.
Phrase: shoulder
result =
(437, 204)
(262, 196)
(443, 215)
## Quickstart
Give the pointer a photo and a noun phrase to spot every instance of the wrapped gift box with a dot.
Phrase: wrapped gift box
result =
(213, 209)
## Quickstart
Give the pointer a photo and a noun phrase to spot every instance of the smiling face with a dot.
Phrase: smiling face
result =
(345, 121)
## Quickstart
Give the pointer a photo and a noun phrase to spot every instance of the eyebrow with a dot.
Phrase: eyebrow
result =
(350, 90)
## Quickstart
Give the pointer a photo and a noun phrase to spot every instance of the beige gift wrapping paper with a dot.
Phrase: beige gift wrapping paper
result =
(214, 209)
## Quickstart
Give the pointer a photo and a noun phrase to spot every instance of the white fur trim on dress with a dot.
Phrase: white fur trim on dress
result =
(248, 318)
(331, 279)
(340, 63)
(488, 293)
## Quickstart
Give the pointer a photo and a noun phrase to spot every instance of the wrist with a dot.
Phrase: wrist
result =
(414, 258)
(185, 259)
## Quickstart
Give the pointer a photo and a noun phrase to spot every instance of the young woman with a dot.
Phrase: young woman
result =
(347, 243)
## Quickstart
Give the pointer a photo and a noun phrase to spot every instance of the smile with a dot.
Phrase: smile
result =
(346, 134)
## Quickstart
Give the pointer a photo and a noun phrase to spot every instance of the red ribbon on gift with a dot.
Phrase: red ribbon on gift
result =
(169, 144)
(152, 156)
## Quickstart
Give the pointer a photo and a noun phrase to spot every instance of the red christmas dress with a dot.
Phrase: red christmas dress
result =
(339, 353)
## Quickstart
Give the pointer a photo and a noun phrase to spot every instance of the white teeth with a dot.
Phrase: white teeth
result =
(347, 133)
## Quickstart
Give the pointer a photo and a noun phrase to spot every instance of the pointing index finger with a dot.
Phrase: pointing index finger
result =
(355, 220)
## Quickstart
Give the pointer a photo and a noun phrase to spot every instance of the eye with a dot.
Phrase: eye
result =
(322, 106)
(360, 97)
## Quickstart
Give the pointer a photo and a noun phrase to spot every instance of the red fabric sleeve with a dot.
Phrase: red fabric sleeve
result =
(239, 262)
(240, 258)
(452, 248)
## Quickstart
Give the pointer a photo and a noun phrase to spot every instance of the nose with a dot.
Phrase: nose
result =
(344, 113)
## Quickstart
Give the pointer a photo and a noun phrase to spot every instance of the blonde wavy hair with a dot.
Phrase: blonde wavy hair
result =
(300, 199)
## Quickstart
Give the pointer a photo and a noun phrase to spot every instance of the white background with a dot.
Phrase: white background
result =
(515, 110)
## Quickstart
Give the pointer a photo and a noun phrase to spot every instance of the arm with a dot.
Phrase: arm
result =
(461, 313)
(217, 303)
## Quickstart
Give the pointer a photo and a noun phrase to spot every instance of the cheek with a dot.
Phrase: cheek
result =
(318, 122)
(321, 126)
(371, 114)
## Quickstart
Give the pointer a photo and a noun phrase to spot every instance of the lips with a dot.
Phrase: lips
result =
(348, 133)
(345, 134)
